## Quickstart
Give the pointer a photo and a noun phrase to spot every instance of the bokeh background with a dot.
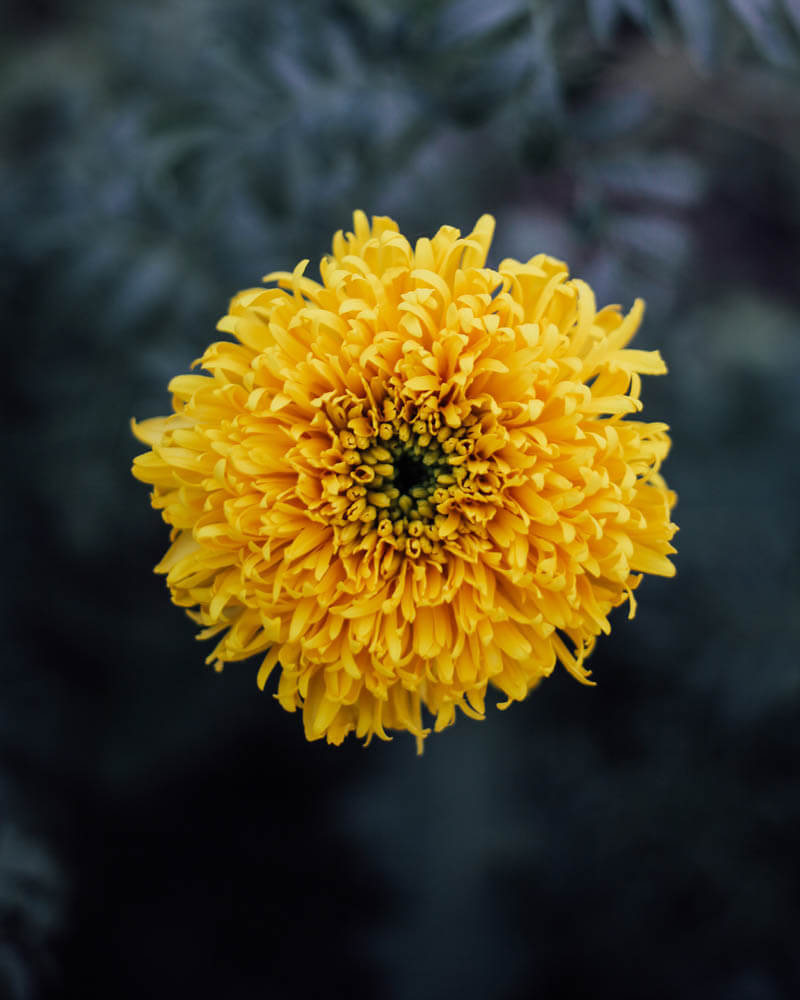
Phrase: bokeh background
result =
(167, 832)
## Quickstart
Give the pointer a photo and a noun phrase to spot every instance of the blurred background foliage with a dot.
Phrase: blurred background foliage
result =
(165, 831)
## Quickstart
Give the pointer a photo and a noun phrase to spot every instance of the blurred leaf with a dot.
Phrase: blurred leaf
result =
(470, 20)
(612, 116)
(702, 25)
(672, 178)
(547, 79)
(793, 11)
(153, 278)
(762, 19)
(603, 16)
(32, 890)
(699, 23)
(659, 238)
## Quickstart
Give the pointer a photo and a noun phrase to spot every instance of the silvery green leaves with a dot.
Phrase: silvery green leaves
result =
(708, 27)
(32, 899)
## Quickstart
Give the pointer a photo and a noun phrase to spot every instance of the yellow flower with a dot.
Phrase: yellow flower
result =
(410, 480)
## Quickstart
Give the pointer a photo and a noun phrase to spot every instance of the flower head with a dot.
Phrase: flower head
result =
(415, 478)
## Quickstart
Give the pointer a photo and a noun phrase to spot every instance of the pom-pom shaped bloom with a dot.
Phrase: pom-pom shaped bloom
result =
(415, 478)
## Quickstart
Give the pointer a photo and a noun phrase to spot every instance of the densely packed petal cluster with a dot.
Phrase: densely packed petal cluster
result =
(415, 478)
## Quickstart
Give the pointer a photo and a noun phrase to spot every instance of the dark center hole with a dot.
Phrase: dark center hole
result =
(410, 472)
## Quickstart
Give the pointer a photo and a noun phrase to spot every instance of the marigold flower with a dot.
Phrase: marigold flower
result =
(410, 480)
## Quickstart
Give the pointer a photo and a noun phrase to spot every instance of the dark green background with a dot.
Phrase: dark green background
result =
(167, 832)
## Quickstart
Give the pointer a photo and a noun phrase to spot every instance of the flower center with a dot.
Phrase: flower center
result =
(397, 476)
(410, 472)
(402, 485)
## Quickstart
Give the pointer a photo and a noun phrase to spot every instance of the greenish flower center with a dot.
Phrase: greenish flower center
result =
(410, 472)
(417, 468)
